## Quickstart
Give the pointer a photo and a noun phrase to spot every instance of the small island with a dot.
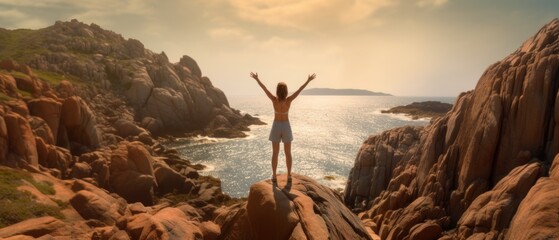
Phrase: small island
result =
(417, 110)
(350, 92)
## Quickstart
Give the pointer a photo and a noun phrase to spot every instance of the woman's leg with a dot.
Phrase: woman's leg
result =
(275, 153)
(288, 160)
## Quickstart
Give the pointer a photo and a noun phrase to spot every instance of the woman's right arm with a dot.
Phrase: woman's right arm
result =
(295, 94)
(268, 93)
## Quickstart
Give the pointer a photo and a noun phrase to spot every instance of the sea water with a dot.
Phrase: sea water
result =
(327, 131)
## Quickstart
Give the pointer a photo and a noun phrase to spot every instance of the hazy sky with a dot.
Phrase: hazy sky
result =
(403, 47)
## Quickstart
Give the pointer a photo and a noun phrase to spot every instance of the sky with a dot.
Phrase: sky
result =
(401, 47)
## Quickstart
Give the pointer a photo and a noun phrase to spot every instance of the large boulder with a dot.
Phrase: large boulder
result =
(93, 206)
(80, 123)
(168, 179)
(301, 209)
(4, 140)
(491, 212)
(21, 139)
(377, 158)
(140, 87)
(169, 223)
(49, 110)
(8, 85)
(131, 173)
(35, 227)
(536, 217)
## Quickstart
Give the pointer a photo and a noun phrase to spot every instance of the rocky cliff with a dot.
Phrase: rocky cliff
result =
(481, 171)
(162, 97)
(80, 112)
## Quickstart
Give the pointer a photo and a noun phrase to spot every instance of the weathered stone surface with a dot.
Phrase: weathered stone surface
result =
(168, 179)
(509, 119)
(536, 217)
(92, 206)
(127, 128)
(35, 227)
(81, 170)
(375, 163)
(49, 110)
(21, 139)
(302, 209)
(169, 223)
(4, 140)
(492, 211)
(80, 123)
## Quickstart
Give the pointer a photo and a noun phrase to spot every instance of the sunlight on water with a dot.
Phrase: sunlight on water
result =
(327, 131)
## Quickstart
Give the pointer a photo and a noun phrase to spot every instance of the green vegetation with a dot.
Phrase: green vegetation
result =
(19, 75)
(25, 93)
(16, 205)
(60, 203)
(55, 78)
(44, 187)
(20, 44)
(4, 98)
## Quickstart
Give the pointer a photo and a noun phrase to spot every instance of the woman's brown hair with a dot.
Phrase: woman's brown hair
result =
(281, 91)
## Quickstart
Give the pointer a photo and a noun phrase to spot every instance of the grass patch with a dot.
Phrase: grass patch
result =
(16, 205)
(25, 93)
(60, 203)
(20, 44)
(55, 78)
(20, 75)
(4, 98)
(44, 187)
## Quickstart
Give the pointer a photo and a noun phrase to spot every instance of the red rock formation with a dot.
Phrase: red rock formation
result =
(506, 121)
(302, 209)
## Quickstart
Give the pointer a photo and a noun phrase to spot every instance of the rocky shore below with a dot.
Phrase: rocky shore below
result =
(418, 110)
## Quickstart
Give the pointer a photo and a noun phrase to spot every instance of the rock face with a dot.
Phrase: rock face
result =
(536, 217)
(477, 163)
(177, 95)
(85, 116)
(301, 209)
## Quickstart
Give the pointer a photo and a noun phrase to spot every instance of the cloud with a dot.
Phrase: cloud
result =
(428, 3)
(279, 43)
(13, 18)
(229, 33)
(307, 14)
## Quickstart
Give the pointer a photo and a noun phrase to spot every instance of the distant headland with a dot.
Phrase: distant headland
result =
(331, 91)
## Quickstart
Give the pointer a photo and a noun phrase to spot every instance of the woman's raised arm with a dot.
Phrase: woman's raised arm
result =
(268, 93)
(295, 94)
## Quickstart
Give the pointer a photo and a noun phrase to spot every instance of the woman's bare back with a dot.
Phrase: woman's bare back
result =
(281, 109)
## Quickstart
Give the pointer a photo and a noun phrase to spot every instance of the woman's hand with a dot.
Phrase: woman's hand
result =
(311, 77)
(254, 75)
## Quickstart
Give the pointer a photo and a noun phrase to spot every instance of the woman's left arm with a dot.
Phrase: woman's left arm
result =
(295, 94)
(268, 93)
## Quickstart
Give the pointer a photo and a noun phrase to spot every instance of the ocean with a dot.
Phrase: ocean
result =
(328, 132)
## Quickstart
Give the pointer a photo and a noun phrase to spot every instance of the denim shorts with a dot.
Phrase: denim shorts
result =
(281, 132)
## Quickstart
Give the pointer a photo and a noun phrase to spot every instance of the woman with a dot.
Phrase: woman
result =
(281, 129)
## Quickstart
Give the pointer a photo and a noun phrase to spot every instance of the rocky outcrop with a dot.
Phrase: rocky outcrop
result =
(169, 223)
(36, 227)
(491, 212)
(301, 209)
(377, 160)
(21, 140)
(536, 217)
(417, 110)
(175, 94)
(464, 160)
